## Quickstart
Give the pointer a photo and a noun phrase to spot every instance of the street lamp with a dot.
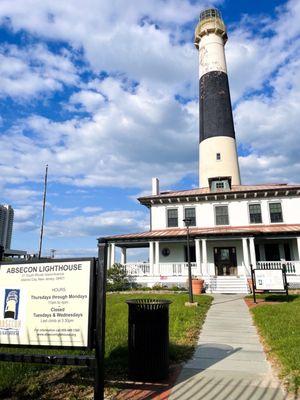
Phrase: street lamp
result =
(187, 222)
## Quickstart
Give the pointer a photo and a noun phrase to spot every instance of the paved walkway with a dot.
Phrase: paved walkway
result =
(229, 362)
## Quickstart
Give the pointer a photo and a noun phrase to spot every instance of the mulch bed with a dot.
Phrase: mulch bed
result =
(149, 391)
(259, 302)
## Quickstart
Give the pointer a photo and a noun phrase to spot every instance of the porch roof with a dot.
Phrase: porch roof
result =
(213, 231)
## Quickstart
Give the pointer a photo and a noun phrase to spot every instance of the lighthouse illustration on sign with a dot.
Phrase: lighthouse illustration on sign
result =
(11, 303)
(217, 148)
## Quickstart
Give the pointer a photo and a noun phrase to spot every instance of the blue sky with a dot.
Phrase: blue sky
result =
(107, 95)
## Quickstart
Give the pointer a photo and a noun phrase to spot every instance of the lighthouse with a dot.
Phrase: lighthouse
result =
(217, 145)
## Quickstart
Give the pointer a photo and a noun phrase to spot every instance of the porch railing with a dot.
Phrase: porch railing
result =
(292, 267)
(137, 269)
(175, 269)
(164, 269)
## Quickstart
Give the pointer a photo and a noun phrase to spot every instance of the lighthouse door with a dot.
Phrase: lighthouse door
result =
(225, 260)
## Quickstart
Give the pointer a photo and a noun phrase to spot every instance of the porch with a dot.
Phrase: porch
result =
(220, 261)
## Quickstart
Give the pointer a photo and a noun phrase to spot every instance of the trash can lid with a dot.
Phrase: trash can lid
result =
(148, 301)
(148, 304)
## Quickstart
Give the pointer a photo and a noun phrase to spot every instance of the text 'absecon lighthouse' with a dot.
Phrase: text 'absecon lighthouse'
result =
(217, 145)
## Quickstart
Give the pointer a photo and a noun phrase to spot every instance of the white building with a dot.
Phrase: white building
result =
(6, 225)
(231, 225)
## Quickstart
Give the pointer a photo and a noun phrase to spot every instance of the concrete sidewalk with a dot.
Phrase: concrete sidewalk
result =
(229, 362)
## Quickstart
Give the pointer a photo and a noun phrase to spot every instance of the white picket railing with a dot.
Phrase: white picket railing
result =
(164, 269)
(175, 269)
(137, 269)
(292, 267)
(181, 268)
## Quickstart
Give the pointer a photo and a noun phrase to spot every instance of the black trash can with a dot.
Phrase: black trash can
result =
(148, 339)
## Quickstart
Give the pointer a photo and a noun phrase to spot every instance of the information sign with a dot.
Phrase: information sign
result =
(46, 303)
(269, 279)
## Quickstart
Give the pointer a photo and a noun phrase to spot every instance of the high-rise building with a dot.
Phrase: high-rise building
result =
(6, 225)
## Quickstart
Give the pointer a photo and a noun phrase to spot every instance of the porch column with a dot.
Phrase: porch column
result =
(123, 255)
(204, 257)
(252, 252)
(246, 256)
(108, 256)
(198, 256)
(156, 264)
(151, 257)
(112, 254)
(298, 247)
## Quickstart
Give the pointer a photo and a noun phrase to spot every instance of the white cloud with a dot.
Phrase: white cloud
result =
(103, 224)
(33, 70)
(91, 210)
(133, 39)
(63, 210)
(134, 128)
(122, 144)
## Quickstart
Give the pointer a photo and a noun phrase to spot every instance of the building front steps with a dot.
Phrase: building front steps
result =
(227, 284)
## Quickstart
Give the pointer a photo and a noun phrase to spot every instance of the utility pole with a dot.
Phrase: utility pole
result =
(43, 213)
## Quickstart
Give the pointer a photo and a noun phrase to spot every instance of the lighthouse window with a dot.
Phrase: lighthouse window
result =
(172, 217)
(275, 212)
(218, 156)
(221, 213)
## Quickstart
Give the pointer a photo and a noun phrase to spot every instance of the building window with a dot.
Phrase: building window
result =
(172, 217)
(218, 156)
(222, 215)
(190, 213)
(255, 213)
(275, 212)
(220, 185)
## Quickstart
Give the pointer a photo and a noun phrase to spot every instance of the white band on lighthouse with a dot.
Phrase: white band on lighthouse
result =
(211, 54)
(216, 159)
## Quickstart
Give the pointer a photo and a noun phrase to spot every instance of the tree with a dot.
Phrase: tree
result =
(117, 278)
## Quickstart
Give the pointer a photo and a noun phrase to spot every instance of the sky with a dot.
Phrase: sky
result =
(106, 93)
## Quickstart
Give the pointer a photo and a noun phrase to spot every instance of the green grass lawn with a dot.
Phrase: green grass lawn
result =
(185, 323)
(279, 324)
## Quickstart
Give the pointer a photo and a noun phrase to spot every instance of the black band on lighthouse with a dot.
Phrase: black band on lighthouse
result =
(215, 106)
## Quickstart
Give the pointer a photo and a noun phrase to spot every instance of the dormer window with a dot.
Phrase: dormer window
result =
(220, 183)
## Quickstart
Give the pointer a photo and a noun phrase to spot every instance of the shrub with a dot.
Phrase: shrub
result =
(117, 279)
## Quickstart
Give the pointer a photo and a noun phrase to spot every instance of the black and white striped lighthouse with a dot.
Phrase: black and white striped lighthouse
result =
(217, 145)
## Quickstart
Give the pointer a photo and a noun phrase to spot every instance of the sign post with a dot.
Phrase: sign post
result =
(100, 321)
(269, 280)
(58, 304)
